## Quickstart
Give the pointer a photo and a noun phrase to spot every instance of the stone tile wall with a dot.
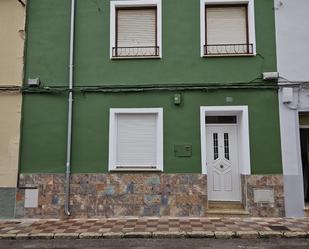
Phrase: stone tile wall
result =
(145, 194)
(114, 195)
(272, 183)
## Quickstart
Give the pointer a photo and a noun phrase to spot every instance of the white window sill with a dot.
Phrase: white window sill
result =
(136, 170)
(135, 57)
(229, 55)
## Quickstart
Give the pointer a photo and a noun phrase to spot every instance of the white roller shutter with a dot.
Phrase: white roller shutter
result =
(136, 27)
(136, 141)
(226, 25)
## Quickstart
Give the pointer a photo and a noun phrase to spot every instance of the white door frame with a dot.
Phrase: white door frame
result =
(243, 134)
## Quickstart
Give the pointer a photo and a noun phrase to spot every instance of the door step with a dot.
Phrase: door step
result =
(226, 209)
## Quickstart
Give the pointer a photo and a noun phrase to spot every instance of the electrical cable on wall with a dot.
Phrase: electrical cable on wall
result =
(22, 3)
(256, 83)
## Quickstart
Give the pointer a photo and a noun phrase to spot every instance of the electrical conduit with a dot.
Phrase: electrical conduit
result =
(70, 112)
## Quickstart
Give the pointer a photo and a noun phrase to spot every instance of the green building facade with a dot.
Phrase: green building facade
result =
(183, 85)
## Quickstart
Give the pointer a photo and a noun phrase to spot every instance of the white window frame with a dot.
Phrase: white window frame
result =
(113, 134)
(251, 23)
(242, 129)
(135, 3)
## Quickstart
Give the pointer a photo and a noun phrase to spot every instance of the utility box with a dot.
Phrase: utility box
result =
(177, 99)
(34, 82)
(287, 95)
(183, 150)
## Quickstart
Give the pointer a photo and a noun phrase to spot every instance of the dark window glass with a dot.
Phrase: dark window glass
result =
(221, 119)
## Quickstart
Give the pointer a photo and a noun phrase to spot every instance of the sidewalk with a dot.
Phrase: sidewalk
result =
(164, 227)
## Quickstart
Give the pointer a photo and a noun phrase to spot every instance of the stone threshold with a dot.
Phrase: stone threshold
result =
(226, 209)
(158, 234)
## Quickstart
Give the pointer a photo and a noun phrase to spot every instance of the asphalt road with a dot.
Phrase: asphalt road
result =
(157, 243)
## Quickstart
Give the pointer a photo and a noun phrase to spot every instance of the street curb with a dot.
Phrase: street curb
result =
(43, 236)
(8, 236)
(66, 236)
(270, 234)
(159, 235)
(200, 234)
(247, 235)
(168, 235)
(296, 235)
(22, 236)
(112, 235)
(225, 234)
(90, 235)
(137, 235)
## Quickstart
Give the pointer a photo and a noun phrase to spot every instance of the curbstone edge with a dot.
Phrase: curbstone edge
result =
(224, 234)
(270, 234)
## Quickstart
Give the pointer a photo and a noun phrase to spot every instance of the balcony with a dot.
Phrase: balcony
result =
(139, 52)
(228, 49)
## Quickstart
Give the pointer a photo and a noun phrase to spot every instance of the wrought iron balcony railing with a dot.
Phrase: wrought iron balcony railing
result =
(146, 51)
(228, 49)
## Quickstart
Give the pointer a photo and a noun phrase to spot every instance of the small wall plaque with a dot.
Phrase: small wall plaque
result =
(31, 198)
(264, 196)
(183, 150)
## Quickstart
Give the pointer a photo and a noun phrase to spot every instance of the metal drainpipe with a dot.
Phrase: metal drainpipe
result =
(70, 112)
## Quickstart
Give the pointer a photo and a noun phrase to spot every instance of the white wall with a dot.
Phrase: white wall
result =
(292, 34)
(292, 25)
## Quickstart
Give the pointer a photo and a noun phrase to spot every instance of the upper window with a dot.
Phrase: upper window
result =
(227, 28)
(136, 139)
(135, 29)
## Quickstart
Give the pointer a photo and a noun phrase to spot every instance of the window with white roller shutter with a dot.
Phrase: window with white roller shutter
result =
(135, 29)
(136, 32)
(227, 28)
(136, 139)
(226, 25)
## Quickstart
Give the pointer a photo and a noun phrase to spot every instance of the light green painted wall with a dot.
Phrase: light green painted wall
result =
(44, 115)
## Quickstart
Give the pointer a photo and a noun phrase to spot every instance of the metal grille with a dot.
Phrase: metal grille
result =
(147, 51)
(228, 49)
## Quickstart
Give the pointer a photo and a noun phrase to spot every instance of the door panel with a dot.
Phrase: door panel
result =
(222, 163)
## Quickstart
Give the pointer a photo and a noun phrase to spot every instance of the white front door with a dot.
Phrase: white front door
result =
(222, 163)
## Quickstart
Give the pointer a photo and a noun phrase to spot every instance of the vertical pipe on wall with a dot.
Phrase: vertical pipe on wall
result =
(70, 112)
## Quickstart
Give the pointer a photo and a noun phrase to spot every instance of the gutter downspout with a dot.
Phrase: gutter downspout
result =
(70, 112)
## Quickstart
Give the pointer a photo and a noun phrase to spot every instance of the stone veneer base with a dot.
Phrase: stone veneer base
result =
(115, 195)
(144, 194)
(273, 183)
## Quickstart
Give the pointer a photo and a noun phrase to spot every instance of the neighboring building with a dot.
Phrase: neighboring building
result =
(12, 22)
(292, 40)
(170, 113)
